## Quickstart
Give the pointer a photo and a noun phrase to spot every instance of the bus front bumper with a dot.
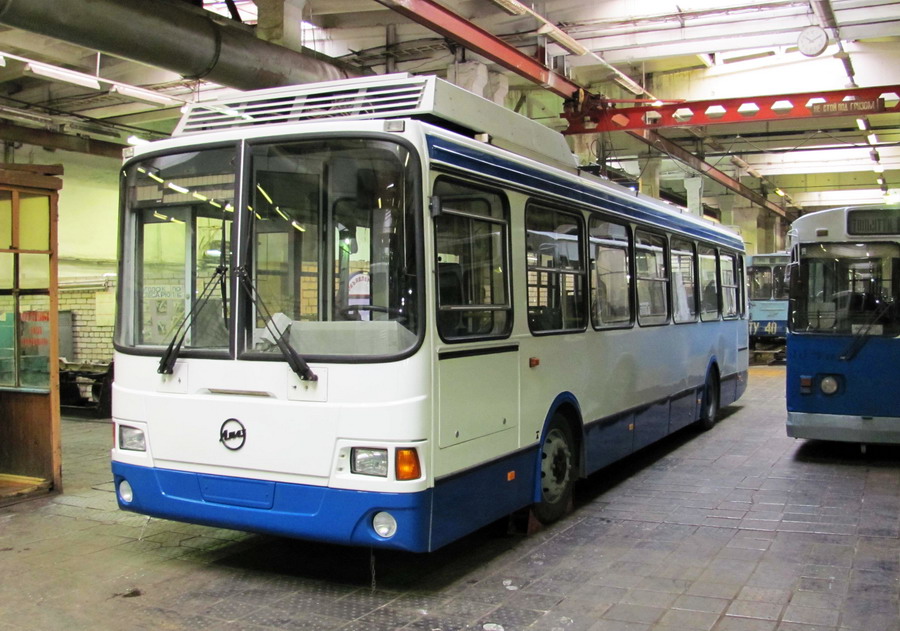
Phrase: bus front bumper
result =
(844, 428)
(291, 510)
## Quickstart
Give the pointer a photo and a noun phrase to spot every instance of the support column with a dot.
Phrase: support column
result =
(470, 75)
(649, 178)
(741, 218)
(279, 22)
(694, 188)
(497, 88)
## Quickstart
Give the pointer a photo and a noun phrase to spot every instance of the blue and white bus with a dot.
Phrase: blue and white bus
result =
(387, 312)
(842, 371)
(767, 291)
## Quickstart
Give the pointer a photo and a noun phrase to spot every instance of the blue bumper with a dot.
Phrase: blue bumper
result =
(291, 510)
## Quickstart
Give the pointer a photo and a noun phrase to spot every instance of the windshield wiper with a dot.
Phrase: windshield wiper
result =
(862, 334)
(167, 361)
(294, 360)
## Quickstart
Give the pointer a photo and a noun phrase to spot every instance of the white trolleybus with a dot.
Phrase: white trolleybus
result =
(387, 312)
(843, 344)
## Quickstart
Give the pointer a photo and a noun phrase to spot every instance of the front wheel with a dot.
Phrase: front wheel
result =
(557, 472)
(709, 405)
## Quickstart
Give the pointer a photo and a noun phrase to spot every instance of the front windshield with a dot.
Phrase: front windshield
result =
(767, 282)
(177, 233)
(847, 288)
(326, 258)
(335, 255)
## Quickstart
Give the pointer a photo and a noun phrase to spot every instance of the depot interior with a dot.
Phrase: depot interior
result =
(747, 112)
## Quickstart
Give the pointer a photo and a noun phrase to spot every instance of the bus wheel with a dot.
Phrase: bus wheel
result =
(557, 472)
(709, 406)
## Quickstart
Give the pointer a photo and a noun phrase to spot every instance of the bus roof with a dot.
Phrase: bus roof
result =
(399, 95)
(836, 223)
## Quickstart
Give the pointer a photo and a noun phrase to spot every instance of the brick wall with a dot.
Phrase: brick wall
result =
(92, 331)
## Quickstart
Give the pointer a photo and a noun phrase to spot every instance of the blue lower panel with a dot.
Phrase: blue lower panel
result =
(465, 502)
(291, 510)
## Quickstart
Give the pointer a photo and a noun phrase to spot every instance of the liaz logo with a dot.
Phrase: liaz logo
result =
(232, 434)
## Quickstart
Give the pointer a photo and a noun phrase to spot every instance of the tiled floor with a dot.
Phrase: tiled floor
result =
(736, 529)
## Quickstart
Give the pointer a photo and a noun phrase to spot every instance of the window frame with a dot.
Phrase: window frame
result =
(504, 223)
(580, 275)
(629, 265)
(666, 281)
(709, 316)
(695, 294)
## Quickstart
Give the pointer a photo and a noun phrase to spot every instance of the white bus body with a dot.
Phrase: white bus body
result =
(468, 345)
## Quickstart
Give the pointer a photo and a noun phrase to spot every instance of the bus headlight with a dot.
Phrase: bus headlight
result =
(829, 384)
(131, 438)
(384, 524)
(369, 461)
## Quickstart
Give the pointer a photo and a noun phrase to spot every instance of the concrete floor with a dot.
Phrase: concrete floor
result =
(736, 529)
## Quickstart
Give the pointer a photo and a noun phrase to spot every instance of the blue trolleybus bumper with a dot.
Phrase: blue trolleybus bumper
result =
(845, 428)
(291, 510)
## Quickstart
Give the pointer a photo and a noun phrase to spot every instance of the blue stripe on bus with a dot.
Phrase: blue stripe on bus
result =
(470, 159)
(868, 383)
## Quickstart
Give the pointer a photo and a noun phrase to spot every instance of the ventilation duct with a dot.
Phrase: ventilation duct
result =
(174, 36)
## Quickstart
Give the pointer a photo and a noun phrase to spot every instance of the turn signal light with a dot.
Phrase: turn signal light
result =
(407, 464)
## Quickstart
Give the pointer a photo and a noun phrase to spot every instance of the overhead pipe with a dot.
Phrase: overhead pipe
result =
(175, 36)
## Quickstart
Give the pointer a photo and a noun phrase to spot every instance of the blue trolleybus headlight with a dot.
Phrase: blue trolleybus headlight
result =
(131, 438)
(126, 494)
(369, 461)
(384, 525)
(829, 384)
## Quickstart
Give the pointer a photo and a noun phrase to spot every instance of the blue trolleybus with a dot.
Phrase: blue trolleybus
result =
(387, 312)
(843, 375)
(767, 291)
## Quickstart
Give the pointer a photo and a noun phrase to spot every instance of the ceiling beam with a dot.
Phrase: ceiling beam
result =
(450, 25)
(55, 140)
(598, 114)
(683, 155)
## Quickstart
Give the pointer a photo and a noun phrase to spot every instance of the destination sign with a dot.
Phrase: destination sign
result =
(876, 221)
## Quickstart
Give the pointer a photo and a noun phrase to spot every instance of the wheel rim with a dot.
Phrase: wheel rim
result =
(712, 400)
(556, 458)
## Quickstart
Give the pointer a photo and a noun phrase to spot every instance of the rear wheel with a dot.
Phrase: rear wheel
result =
(709, 406)
(557, 472)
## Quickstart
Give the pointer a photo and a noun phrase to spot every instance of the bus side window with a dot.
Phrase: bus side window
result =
(556, 274)
(471, 234)
(684, 290)
(729, 281)
(610, 244)
(652, 278)
(709, 299)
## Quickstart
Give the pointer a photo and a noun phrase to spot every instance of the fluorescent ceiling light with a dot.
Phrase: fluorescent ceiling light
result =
(513, 7)
(563, 39)
(135, 140)
(61, 74)
(873, 139)
(862, 123)
(142, 94)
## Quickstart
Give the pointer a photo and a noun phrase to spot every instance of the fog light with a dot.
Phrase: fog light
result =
(369, 461)
(385, 525)
(131, 438)
(828, 385)
(126, 494)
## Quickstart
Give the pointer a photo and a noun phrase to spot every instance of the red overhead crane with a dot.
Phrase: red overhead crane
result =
(598, 114)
